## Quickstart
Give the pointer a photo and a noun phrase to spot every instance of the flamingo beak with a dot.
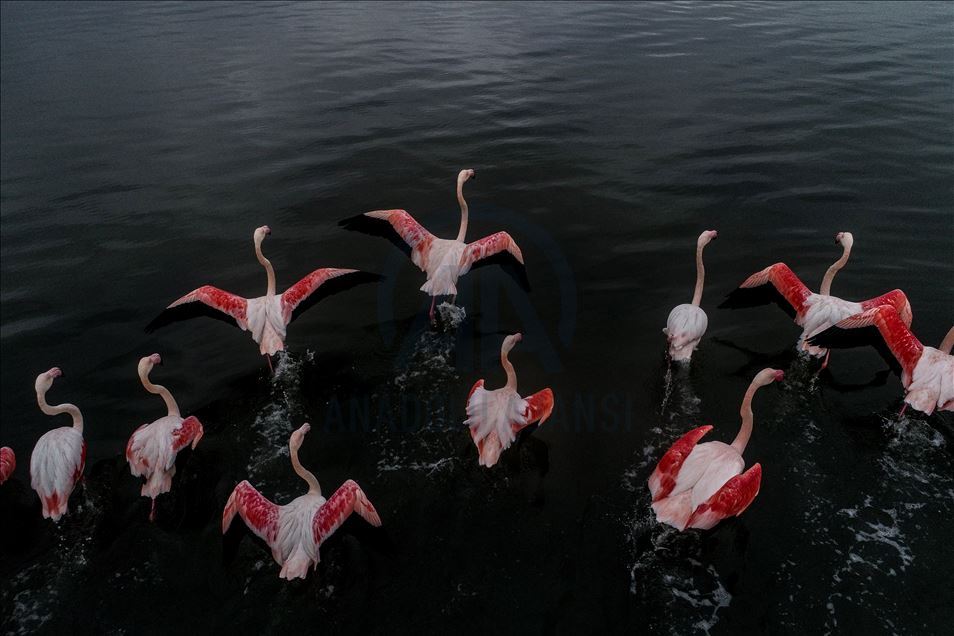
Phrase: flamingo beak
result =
(55, 372)
(155, 358)
(779, 376)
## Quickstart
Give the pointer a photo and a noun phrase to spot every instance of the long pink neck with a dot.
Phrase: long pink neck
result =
(745, 432)
(161, 391)
(463, 211)
(310, 479)
(72, 409)
(269, 270)
(948, 343)
(511, 374)
(825, 289)
(700, 276)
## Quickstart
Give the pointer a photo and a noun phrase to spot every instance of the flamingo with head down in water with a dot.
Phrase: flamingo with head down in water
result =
(927, 374)
(268, 316)
(495, 417)
(295, 531)
(687, 322)
(444, 260)
(698, 485)
(8, 463)
(59, 455)
(816, 312)
(152, 448)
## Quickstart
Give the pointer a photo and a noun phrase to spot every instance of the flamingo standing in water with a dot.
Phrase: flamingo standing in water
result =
(816, 312)
(295, 531)
(495, 417)
(8, 463)
(444, 260)
(152, 448)
(267, 316)
(59, 455)
(687, 322)
(698, 485)
(927, 374)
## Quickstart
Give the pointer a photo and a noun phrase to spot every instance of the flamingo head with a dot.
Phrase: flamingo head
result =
(707, 237)
(510, 342)
(146, 363)
(298, 437)
(466, 174)
(767, 376)
(846, 239)
(45, 380)
(261, 233)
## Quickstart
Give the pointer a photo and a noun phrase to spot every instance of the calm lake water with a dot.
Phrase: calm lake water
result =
(143, 143)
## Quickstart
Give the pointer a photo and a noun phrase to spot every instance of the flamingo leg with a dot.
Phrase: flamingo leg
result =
(152, 511)
(825, 363)
(903, 409)
(268, 359)
(431, 312)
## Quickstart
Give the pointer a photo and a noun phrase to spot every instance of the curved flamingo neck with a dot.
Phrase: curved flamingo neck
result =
(72, 409)
(161, 391)
(508, 367)
(463, 211)
(825, 289)
(700, 276)
(269, 270)
(948, 343)
(745, 431)
(310, 479)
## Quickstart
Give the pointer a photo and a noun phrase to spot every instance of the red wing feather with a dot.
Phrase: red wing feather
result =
(223, 301)
(304, 288)
(785, 281)
(190, 431)
(905, 347)
(258, 513)
(412, 232)
(347, 499)
(663, 479)
(488, 246)
(729, 501)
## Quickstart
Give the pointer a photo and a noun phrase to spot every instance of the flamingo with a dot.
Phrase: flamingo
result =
(268, 316)
(687, 322)
(495, 417)
(444, 260)
(59, 455)
(927, 374)
(152, 448)
(816, 312)
(8, 463)
(295, 531)
(698, 485)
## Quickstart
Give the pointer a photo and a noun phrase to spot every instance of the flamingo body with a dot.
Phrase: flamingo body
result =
(495, 417)
(152, 449)
(932, 382)
(697, 485)
(684, 329)
(267, 323)
(443, 264)
(821, 312)
(295, 531)
(8, 463)
(55, 468)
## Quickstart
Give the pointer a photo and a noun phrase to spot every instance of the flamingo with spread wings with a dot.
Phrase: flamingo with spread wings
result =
(295, 531)
(444, 260)
(495, 417)
(816, 312)
(59, 455)
(152, 448)
(268, 316)
(927, 374)
(698, 485)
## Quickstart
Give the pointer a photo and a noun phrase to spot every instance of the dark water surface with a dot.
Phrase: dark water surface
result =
(143, 143)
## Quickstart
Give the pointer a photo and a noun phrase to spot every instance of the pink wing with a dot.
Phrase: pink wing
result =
(8, 463)
(259, 514)
(488, 246)
(907, 349)
(663, 479)
(785, 281)
(896, 299)
(729, 501)
(304, 288)
(412, 232)
(190, 431)
(347, 499)
(539, 407)
(216, 298)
